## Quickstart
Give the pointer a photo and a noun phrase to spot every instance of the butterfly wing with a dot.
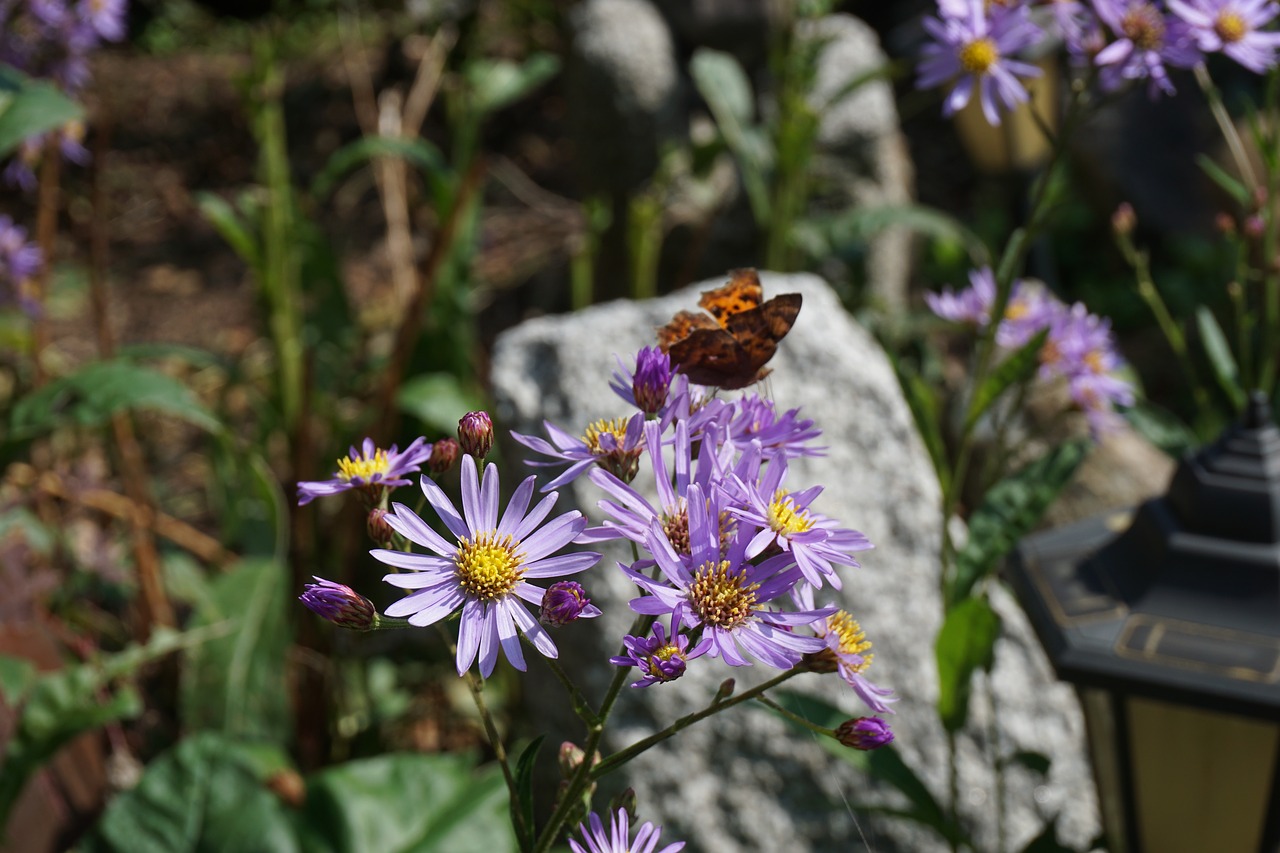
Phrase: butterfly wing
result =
(759, 330)
(713, 357)
(742, 293)
(682, 326)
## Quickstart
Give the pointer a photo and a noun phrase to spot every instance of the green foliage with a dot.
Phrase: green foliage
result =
(30, 107)
(524, 788)
(1221, 360)
(1011, 510)
(1017, 368)
(54, 707)
(94, 393)
(237, 684)
(965, 644)
(823, 234)
(438, 401)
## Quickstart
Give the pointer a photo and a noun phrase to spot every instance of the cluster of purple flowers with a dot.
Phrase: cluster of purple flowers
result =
(53, 40)
(974, 44)
(1079, 348)
(20, 261)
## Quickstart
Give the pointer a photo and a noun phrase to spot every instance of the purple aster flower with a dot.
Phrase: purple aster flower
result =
(1146, 40)
(617, 839)
(648, 387)
(754, 419)
(370, 469)
(340, 604)
(484, 572)
(974, 49)
(972, 305)
(864, 733)
(786, 521)
(1030, 309)
(846, 649)
(725, 595)
(1234, 28)
(106, 17)
(475, 434)
(660, 659)
(612, 444)
(565, 602)
(1082, 349)
(20, 261)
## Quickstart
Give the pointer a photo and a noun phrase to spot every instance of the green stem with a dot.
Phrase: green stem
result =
(796, 718)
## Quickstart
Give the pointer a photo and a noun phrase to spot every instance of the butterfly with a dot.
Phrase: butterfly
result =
(729, 346)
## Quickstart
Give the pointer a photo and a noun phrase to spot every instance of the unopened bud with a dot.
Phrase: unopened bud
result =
(625, 800)
(443, 454)
(376, 525)
(726, 690)
(475, 434)
(565, 602)
(290, 787)
(864, 733)
(1225, 223)
(1253, 226)
(1124, 219)
(570, 758)
(339, 604)
(652, 381)
(1259, 198)
(1234, 290)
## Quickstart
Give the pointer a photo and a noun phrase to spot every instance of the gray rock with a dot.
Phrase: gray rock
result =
(743, 781)
(862, 154)
(623, 90)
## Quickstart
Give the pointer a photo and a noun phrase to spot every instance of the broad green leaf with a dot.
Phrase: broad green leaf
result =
(404, 803)
(885, 764)
(724, 86)
(965, 644)
(236, 684)
(860, 223)
(17, 676)
(1219, 176)
(57, 706)
(1010, 510)
(1017, 367)
(1220, 357)
(924, 409)
(94, 393)
(524, 781)
(206, 794)
(29, 107)
(232, 227)
(496, 83)
(350, 157)
(1037, 762)
(1162, 428)
(438, 400)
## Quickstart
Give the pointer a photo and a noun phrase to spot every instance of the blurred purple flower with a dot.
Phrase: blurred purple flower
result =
(1146, 40)
(1234, 28)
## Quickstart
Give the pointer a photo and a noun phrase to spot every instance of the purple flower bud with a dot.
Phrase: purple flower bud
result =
(475, 434)
(443, 454)
(652, 380)
(565, 602)
(1254, 226)
(1124, 219)
(864, 733)
(379, 531)
(340, 604)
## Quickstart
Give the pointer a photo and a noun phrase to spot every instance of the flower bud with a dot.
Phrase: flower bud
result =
(339, 604)
(1225, 223)
(652, 380)
(726, 690)
(289, 787)
(565, 602)
(443, 454)
(475, 434)
(625, 800)
(864, 733)
(1124, 219)
(1254, 226)
(378, 529)
(570, 758)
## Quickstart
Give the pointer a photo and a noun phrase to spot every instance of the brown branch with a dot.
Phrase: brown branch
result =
(47, 237)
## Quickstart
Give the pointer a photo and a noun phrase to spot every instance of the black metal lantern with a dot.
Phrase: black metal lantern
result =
(1167, 620)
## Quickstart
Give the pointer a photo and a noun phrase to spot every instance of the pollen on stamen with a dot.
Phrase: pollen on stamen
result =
(362, 467)
(489, 567)
(1230, 27)
(979, 55)
(606, 439)
(722, 597)
(853, 640)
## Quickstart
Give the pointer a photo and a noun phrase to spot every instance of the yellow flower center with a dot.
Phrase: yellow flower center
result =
(363, 468)
(1144, 26)
(784, 518)
(676, 527)
(1016, 309)
(616, 428)
(853, 640)
(1093, 360)
(720, 597)
(489, 567)
(623, 464)
(1230, 27)
(1050, 353)
(979, 55)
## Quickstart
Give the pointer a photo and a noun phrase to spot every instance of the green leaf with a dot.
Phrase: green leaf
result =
(496, 83)
(723, 84)
(29, 107)
(24, 523)
(858, 224)
(965, 644)
(1219, 176)
(206, 794)
(346, 159)
(924, 409)
(524, 782)
(1047, 841)
(237, 684)
(1010, 510)
(57, 706)
(17, 675)
(94, 393)
(1036, 762)
(1220, 357)
(438, 400)
(409, 804)
(1017, 367)
(232, 227)
(1162, 428)
(885, 764)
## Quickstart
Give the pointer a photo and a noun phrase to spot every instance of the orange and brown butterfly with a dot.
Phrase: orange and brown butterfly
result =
(729, 346)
